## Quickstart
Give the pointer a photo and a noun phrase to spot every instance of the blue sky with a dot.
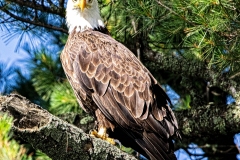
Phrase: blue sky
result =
(9, 55)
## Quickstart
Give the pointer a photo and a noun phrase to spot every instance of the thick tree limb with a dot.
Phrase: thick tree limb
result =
(58, 139)
(212, 128)
(61, 140)
(209, 121)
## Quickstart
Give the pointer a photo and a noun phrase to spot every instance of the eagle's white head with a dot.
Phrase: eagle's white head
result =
(83, 14)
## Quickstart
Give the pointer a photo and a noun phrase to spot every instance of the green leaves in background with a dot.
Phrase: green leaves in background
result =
(203, 30)
(63, 100)
(9, 148)
(50, 83)
(46, 71)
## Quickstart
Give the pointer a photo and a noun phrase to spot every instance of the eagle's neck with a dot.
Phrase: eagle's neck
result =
(88, 19)
(103, 30)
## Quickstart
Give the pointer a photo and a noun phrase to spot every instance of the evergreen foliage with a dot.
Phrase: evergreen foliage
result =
(63, 100)
(9, 150)
(205, 30)
(46, 71)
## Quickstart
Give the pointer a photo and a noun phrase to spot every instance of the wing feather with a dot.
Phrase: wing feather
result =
(118, 96)
(129, 91)
(121, 88)
(100, 72)
(76, 80)
(145, 111)
(84, 59)
(92, 69)
(86, 80)
(99, 87)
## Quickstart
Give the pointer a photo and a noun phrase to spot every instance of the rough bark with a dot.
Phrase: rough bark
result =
(209, 120)
(212, 127)
(55, 137)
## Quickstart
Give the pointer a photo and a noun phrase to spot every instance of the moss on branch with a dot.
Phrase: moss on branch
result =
(209, 120)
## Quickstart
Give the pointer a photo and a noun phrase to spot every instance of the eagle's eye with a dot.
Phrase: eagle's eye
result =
(74, 1)
(90, 1)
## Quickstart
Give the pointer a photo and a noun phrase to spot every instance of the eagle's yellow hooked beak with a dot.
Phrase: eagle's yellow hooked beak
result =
(81, 4)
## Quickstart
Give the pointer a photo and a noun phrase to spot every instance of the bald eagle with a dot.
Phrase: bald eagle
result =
(115, 87)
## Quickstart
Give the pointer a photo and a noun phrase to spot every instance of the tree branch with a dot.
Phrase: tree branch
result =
(37, 23)
(58, 139)
(61, 140)
(193, 69)
(209, 120)
(51, 9)
(212, 127)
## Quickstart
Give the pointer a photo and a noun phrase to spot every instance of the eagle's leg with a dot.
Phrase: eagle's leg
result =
(103, 125)
(102, 133)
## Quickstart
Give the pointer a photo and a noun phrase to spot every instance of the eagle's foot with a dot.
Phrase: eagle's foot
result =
(102, 133)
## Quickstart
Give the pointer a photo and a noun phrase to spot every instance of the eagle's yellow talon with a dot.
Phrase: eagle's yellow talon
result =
(110, 140)
(102, 134)
(94, 133)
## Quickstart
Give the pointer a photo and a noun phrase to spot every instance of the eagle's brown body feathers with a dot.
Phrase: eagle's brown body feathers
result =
(112, 84)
